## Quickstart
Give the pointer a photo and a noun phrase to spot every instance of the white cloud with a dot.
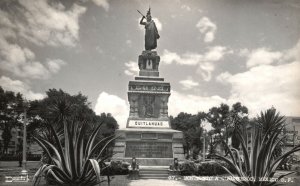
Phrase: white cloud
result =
(186, 59)
(42, 23)
(47, 24)
(223, 77)
(18, 86)
(208, 28)
(21, 62)
(99, 50)
(115, 105)
(157, 23)
(191, 103)
(293, 53)
(264, 86)
(267, 84)
(132, 68)
(34, 70)
(205, 69)
(205, 62)
(186, 7)
(189, 83)
(102, 3)
(170, 57)
(215, 53)
(260, 56)
(129, 42)
(54, 65)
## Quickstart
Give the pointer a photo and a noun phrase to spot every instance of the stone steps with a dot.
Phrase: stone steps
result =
(153, 172)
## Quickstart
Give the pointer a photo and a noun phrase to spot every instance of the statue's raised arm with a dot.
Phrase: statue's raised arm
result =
(151, 34)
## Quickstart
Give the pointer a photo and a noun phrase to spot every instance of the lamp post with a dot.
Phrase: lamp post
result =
(203, 150)
(204, 133)
(24, 171)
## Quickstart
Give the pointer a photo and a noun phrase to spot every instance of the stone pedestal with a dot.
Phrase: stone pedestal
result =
(148, 135)
(150, 146)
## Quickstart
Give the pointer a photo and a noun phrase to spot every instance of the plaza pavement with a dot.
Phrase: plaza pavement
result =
(154, 182)
(13, 168)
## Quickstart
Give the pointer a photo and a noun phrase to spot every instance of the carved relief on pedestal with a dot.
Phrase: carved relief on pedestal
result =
(148, 61)
(146, 106)
(149, 106)
(133, 101)
(149, 65)
(164, 106)
(152, 88)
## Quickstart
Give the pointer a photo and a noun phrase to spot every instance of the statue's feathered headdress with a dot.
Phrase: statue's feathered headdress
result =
(149, 12)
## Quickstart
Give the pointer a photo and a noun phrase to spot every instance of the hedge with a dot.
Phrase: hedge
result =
(117, 168)
(208, 168)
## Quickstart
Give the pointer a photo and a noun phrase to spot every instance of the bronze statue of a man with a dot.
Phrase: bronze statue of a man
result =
(151, 34)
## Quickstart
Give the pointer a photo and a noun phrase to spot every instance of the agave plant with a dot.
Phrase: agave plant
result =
(72, 156)
(258, 167)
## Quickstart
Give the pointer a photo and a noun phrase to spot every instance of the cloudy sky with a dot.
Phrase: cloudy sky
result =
(212, 51)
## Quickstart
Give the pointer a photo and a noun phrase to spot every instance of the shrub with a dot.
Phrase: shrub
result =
(211, 168)
(187, 168)
(260, 163)
(72, 156)
(117, 168)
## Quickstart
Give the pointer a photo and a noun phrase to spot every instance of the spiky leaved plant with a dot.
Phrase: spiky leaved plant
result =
(260, 165)
(72, 156)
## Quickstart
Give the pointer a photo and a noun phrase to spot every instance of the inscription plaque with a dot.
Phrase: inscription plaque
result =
(148, 124)
(149, 149)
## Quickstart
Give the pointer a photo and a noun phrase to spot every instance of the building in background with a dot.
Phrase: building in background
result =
(15, 144)
(292, 132)
(16, 134)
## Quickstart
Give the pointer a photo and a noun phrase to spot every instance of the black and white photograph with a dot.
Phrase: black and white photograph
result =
(149, 92)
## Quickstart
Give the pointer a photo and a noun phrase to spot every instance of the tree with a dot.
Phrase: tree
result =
(190, 126)
(218, 117)
(109, 126)
(211, 143)
(11, 109)
(58, 107)
(228, 121)
(238, 118)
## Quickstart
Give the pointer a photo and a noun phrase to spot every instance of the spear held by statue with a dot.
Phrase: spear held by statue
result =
(141, 13)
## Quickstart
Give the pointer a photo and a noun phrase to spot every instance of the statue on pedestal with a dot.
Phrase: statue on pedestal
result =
(151, 34)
